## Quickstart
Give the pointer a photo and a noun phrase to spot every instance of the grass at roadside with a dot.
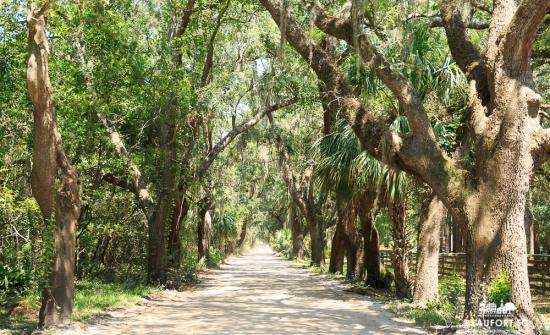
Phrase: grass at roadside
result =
(91, 298)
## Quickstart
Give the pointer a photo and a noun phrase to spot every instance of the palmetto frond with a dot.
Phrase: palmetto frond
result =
(344, 167)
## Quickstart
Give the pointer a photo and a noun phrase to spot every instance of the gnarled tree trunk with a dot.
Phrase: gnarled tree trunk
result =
(174, 240)
(432, 215)
(338, 244)
(242, 237)
(346, 241)
(367, 211)
(204, 228)
(50, 161)
(156, 257)
(397, 209)
(306, 204)
(296, 230)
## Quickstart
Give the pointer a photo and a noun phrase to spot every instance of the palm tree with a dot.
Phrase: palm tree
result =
(358, 181)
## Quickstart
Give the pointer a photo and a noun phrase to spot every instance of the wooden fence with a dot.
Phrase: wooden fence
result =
(538, 265)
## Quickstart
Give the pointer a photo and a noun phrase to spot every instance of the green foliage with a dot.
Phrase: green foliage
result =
(92, 297)
(346, 168)
(451, 288)
(14, 281)
(500, 289)
(215, 257)
(282, 242)
(447, 311)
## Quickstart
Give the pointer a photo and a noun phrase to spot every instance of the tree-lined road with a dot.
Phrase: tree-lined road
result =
(258, 293)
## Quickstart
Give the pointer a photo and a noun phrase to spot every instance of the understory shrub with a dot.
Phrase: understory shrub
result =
(451, 288)
(14, 281)
(500, 289)
(282, 242)
(215, 257)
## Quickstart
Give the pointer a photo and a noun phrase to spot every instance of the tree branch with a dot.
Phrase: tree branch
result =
(139, 186)
(520, 33)
(210, 53)
(402, 90)
(370, 130)
(436, 21)
(540, 145)
(184, 20)
(116, 181)
(464, 52)
(288, 177)
(229, 137)
(418, 155)
(472, 24)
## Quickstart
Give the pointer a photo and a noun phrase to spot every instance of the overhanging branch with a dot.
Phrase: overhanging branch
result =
(412, 104)
(520, 33)
(236, 131)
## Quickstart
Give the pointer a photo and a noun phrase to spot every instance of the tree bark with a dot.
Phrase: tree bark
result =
(432, 216)
(345, 242)
(367, 210)
(397, 209)
(242, 237)
(156, 257)
(204, 228)
(352, 239)
(296, 230)
(50, 160)
(338, 244)
(174, 239)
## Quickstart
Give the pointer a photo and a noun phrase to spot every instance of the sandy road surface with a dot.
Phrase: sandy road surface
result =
(257, 293)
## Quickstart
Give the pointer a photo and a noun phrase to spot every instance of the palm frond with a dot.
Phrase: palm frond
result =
(344, 167)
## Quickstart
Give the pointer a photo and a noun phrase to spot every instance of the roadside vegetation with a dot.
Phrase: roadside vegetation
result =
(144, 141)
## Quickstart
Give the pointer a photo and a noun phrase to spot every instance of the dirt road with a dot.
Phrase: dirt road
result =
(257, 294)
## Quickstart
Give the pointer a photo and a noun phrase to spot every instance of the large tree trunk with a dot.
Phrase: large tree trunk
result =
(345, 242)
(496, 236)
(509, 142)
(353, 240)
(338, 244)
(156, 264)
(457, 238)
(50, 160)
(174, 238)
(242, 237)
(432, 216)
(367, 211)
(204, 228)
(397, 209)
(296, 230)
(316, 235)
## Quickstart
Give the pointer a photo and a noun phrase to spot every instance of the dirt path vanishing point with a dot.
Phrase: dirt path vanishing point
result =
(257, 293)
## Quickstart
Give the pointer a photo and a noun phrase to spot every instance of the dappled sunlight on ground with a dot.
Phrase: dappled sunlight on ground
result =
(258, 294)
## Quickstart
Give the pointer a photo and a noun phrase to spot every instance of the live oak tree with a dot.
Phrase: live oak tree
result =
(504, 126)
(55, 182)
